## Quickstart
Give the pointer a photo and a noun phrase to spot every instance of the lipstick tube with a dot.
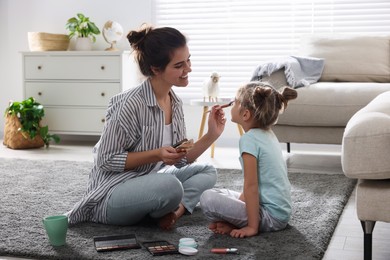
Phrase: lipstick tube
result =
(224, 250)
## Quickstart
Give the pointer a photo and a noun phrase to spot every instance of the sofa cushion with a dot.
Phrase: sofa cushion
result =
(330, 104)
(366, 141)
(350, 58)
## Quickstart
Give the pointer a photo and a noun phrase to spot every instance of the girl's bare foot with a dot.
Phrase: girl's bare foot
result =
(225, 227)
(221, 227)
(169, 220)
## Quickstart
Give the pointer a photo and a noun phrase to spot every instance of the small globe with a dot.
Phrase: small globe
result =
(112, 32)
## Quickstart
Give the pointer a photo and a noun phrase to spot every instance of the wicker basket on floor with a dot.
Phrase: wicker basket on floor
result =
(14, 139)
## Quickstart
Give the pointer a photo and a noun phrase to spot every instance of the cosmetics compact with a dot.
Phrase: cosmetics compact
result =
(184, 144)
(188, 246)
(160, 247)
(116, 242)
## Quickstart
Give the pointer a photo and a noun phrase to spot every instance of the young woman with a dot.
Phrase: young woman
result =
(265, 203)
(137, 172)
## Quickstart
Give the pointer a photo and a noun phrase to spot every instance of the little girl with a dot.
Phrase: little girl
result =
(265, 203)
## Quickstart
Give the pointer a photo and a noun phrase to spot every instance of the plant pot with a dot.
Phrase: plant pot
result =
(83, 44)
(14, 139)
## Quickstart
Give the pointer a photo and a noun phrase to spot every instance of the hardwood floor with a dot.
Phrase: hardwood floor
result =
(347, 240)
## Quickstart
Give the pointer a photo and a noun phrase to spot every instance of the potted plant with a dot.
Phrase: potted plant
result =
(85, 31)
(23, 128)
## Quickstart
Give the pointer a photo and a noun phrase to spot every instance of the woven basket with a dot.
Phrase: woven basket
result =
(40, 41)
(14, 139)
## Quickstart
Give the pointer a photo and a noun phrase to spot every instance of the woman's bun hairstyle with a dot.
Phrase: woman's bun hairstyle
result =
(154, 47)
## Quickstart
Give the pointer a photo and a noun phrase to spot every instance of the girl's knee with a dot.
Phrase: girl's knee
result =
(207, 199)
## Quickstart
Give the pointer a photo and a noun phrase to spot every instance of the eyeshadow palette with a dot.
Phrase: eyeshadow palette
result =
(116, 242)
(160, 247)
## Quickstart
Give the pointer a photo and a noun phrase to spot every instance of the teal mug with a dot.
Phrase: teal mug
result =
(56, 228)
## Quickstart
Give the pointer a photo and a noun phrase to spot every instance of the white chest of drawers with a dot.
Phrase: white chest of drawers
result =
(75, 87)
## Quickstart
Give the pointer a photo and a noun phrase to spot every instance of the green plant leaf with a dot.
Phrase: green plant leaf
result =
(56, 138)
(81, 16)
(93, 28)
(43, 131)
(72, 21)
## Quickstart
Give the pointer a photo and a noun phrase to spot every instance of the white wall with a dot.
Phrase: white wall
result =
(17, 17)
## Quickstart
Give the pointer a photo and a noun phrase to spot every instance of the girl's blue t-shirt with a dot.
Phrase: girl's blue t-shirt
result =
(274, 185)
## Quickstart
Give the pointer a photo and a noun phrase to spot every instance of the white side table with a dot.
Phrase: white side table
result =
(206, 105)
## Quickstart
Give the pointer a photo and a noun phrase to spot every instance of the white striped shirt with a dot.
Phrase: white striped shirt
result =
(134, 123)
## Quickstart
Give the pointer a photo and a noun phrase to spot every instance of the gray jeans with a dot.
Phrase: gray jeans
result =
(224, 205)
(157, 194)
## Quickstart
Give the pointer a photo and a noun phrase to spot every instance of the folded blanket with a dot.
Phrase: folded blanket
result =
(299, 71)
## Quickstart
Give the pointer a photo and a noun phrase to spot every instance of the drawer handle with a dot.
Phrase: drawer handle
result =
(102, 67)
(103, 120)
(102, 94)
(39, 93)
(39, 67)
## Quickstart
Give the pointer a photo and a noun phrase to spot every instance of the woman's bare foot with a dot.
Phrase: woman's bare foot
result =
(213, 226)
(169, 220)
(221, 227)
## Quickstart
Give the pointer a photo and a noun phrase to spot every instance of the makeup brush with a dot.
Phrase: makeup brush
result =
(223, 106)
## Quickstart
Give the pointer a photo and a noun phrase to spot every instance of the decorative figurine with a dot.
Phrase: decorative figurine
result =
(211, 87)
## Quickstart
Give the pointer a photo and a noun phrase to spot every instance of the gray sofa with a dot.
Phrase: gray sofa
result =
(356, 70)
(365, 156)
